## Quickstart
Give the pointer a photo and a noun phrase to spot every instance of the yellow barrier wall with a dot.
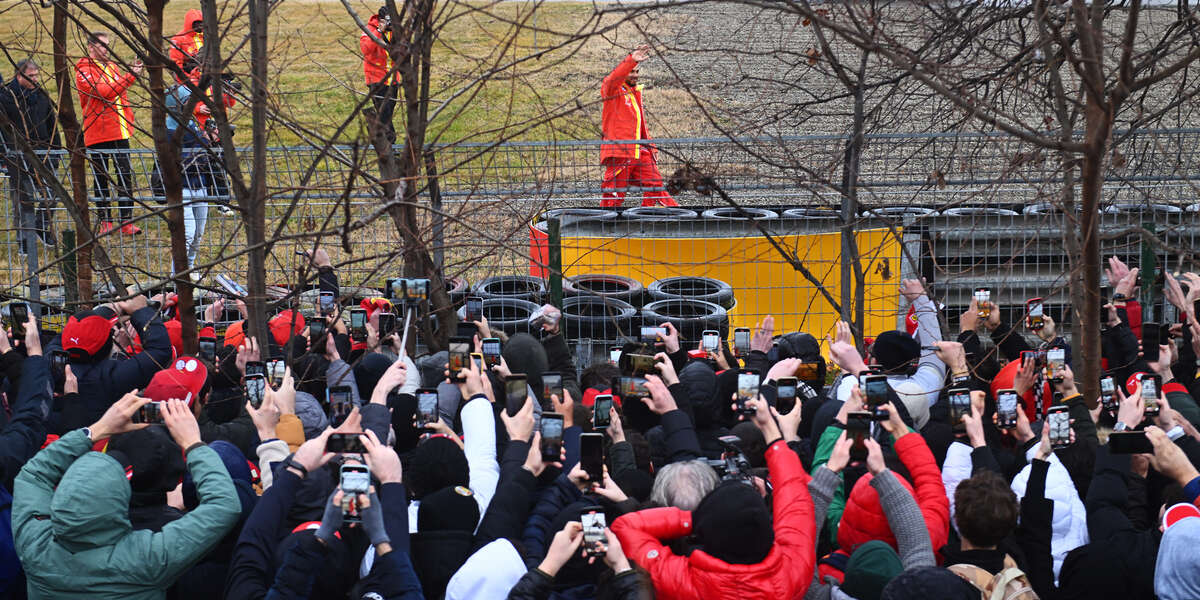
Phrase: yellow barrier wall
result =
(763, 282)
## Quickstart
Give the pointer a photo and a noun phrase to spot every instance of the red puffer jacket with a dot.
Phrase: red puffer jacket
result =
(103, 96)
(786, 572)
(376, 62)
(188, 42)
(863, 519)
(622, 117)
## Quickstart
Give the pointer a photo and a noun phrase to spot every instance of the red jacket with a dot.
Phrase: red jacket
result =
(623, 117)
(863, 519)
(786, 572)
(103, 96)
(376, 61)
(188, 42)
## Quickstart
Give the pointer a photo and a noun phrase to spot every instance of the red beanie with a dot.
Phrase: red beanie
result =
(282, 328)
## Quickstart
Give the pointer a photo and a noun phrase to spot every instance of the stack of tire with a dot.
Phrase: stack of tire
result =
(509, 301)
(691, 304)
(601, 307)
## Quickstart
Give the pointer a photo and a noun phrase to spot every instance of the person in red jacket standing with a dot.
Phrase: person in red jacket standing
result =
(623, 118)
(742, 553)
(107, 127)
(383, 82)
(188, 42)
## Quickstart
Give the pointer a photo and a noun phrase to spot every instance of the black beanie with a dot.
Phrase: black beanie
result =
(894, 349)
(155, 460)
(448, 509)
(929, 583)
(434, 464)
(368, 371)
(733, 525)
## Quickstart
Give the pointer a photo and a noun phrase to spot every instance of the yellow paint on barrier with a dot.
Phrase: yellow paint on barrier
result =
(763, 282)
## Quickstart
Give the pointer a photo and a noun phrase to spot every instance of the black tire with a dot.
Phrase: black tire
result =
(458, 289)
(520, 287)
(574, 215)
(659, 213)
(690, 317)
(729, 213)
(510, 315)
(598, 318)
(693, 288)
(811, 214)
(617, 287)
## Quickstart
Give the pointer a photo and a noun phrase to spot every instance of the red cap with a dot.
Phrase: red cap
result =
(86, 333)
(373, 304)
(175, 332)
(282, 328)
(183, 380)
(234, 336)
(1133, 381)
(1178, 513)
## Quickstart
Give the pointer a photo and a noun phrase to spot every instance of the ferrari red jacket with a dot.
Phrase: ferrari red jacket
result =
(622, 117)
(188, 42)
(786, 572)
(103, 96)
(376, 61)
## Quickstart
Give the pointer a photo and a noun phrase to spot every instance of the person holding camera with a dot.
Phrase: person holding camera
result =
(71, 513)
(383, 80)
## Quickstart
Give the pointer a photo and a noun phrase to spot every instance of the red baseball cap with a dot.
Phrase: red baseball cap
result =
(87, 332)
(1179, 512)
(183, 380)
(175, 332)
(282, 328)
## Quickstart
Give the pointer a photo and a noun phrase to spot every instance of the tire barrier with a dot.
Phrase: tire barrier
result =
(979, 211)
(617, 287)
(597, 318)
(706, 289)
(691, 317)
(659, 213)
(520, 287)
(892, 212)
(740, 214)
(811, 213)
(510, 315)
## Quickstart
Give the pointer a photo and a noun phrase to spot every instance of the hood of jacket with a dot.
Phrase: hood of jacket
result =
(489, 573)
(1069, 525)
(863, 519)
(90, 508)
(189, 21)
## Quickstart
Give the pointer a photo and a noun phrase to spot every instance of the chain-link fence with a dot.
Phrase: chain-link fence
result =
(964, 210)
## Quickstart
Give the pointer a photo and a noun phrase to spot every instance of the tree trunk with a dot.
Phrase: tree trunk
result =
(254, 204)
(77, 153)
(1098, 127)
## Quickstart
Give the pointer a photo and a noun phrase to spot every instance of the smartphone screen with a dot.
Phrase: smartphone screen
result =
(982, 298)
(641, 363)
(591, 456)
(460, 351)
(150, 412)
(345, 443)
(1151, 385)
(1056, 359)
(594, 538)
(326, 303)
(614, 355)
(18, 313)
(427, 404)
(256, 367)
(651, 335)
(474, 308)
(255, 387)
(516, 392)
(491, 351)
(747, 390)
(960, 405)
(387, 324)
(875, 389)
(552, 430)
(1058, 419)
(1108, 393)
(552, 385)
(601, 415)
(208, 347)
(1006, 409)
(1150, 341)
(785, 396)
(741, 341)
(58, 369)
(808, 372)
(355, 479)
(340, 400)
(858, 425)
(630, 388)
(316, 329)
(358, 323)
(275, 371)
(711, 340)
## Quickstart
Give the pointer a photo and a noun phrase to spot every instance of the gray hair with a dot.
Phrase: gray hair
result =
(683, 484)
(25, 63)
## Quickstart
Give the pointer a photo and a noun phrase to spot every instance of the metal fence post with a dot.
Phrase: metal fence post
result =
(1151, 285)
(69, 267)
(554, 243)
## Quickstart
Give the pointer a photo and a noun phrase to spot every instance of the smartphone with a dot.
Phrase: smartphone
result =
(711, 340)
(983, 296)
(858, 425)
(1150, 341)
(1151, 386)
(1129, 442)
(741, 341)
(601, 411)
(1056, 360)
(208, 348)
(491, 351)
(416, 290)
(1007, 403)
(477, 358)
(516, 392)
(614, 355)
(552, 431)
(340, 401)
(150, 412)
(594, 538)
(387, 324)
(808, 372)
(18, 314)
(326, 303)
(460, 353)
(785, 397)
(427, 406)
(255, 387)
(630, 388)
(1036, 318)
(1108, 394)
(747, 390)
(355, 479)
(474, 309)
(1058, 419)
(316, 329)
(960, 405)
(875, 388)
(640, 364)
(591, 456)
(275, 371)
(232, 287)
(651, 335)
(345, 443)
(358, 324)
(552, 385)
(58, 369)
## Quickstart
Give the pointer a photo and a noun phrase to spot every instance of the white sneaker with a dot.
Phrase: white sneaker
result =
(225, 210)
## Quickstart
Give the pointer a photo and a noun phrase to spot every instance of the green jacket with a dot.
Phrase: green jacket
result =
(70, 518)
